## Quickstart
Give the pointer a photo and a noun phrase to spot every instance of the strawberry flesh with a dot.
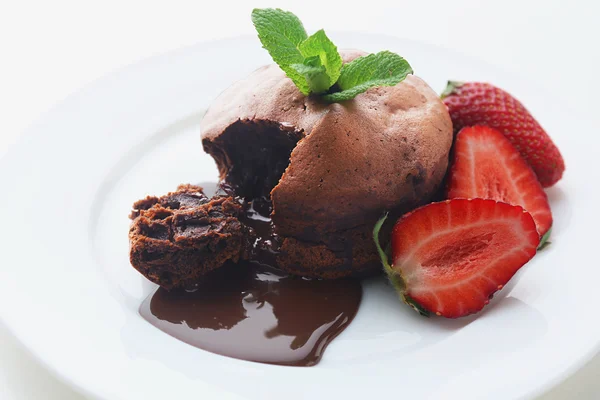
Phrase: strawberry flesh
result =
(452, 256)
(486, 165)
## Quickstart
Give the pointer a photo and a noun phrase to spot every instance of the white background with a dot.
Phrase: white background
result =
(49, 49)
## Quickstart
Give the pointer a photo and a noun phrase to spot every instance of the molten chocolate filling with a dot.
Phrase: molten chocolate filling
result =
(258, 152)
(260, 160)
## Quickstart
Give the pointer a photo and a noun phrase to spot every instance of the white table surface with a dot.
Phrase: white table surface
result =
(49, 49)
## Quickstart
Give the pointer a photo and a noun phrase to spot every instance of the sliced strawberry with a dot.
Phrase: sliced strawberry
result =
(486, 165)
(449, 258)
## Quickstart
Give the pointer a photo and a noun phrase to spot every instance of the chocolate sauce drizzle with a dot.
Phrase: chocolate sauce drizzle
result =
(252, 310)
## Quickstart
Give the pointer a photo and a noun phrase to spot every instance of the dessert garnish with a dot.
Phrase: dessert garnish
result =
(314, 64)
(486, 165)
(449, 258)
(477, 103)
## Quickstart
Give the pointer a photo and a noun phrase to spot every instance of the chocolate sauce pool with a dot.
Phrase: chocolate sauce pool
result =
(255, 312)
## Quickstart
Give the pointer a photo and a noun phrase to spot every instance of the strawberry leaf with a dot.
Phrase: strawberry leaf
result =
(451, 88)
(544, 240)
(394, 277)
(416, 306)
(382, 254)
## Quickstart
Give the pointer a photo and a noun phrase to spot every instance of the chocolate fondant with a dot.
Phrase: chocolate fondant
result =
(330, 169)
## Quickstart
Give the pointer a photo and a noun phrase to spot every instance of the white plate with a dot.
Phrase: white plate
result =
(68, 293)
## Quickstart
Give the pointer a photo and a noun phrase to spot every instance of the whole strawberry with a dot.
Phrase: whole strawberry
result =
(477, 103)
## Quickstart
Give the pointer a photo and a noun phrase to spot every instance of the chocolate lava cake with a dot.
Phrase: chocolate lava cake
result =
(330, 170)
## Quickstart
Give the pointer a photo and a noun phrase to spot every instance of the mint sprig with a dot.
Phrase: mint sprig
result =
(382, 69)
(314, 64)
(319, 45)
(280, 33)
(315, 75)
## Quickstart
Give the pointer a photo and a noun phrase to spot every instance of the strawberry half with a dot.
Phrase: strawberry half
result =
(486, 165)
(476, 103)
(449, 258)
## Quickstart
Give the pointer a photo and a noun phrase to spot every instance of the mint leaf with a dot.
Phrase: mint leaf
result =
(381, 69)
(319, 45)
(314, 73)
(314, 64)
(280, 33)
